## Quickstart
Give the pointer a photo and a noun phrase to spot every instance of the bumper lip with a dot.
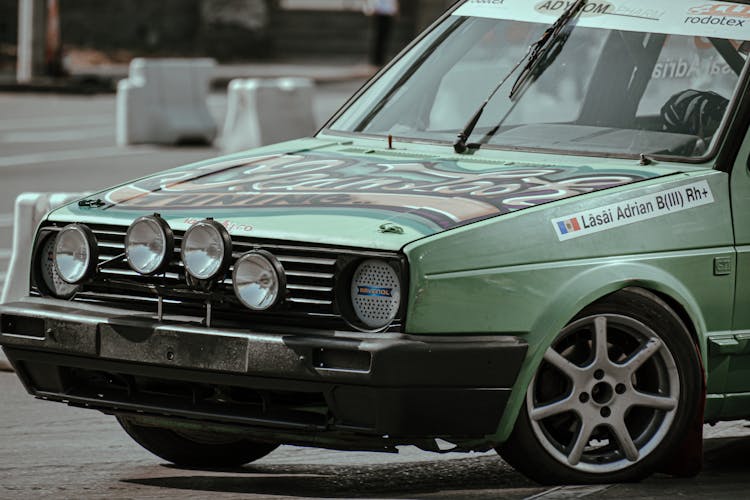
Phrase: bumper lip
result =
(409, 386)
(384, 359)
(399, 416)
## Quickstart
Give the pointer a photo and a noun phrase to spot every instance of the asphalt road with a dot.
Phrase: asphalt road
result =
(48, 450)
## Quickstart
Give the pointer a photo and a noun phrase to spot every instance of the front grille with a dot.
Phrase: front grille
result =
(311, 274)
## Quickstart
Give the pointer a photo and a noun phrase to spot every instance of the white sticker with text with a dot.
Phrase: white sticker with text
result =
(635, 210)
(728, 20)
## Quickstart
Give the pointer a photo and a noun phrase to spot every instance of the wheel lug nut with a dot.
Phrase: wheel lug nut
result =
(605, 412)
(620, 388)
(599, 374)
(584, 397)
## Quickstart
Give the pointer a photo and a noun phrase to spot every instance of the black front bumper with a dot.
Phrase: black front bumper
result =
(123, 362)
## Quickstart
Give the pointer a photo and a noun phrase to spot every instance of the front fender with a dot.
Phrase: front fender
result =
(582, 289)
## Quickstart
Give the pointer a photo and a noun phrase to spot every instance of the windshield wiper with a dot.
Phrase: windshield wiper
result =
(539, 52)
(545, 50)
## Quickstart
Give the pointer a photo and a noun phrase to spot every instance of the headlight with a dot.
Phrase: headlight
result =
(149, 243)
(50, 282)
(75, 253)
(375, 293)
(259, 280)
(206, 250)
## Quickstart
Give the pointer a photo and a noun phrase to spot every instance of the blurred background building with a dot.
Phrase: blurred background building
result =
(228, 30)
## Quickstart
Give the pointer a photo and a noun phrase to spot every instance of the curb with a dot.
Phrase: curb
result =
(79, 85)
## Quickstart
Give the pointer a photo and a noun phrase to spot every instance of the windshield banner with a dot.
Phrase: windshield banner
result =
(725, 20)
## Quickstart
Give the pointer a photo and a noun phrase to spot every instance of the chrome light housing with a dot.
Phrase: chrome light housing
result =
(375, 293)
(206, 250)
(149, 244)
(259, 280)
(48, 279)
(75, 253)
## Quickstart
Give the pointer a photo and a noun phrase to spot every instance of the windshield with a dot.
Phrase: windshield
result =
(644, 77)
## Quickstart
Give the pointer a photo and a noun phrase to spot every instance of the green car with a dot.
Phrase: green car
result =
(530, 233)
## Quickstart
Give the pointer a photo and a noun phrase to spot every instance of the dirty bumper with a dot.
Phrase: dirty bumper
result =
(290, 380)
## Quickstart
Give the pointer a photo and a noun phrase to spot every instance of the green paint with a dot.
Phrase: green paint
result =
(512, 276)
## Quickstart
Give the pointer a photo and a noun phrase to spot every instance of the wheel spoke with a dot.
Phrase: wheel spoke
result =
(666, 403)
(644, 354)
(626, 442)
(584, 434)
(542, 412)
(619, 395)
(561, 363)
(600, 340)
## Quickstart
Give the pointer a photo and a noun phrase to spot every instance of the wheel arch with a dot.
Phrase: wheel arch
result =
(586, 289)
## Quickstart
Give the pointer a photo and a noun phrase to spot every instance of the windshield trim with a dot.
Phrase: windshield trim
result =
(743, 85)
(489, 147)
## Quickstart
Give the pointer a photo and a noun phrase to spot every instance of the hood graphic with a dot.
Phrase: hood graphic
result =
(440, 194)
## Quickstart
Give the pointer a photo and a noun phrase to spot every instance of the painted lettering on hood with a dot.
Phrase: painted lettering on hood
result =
(440, 192)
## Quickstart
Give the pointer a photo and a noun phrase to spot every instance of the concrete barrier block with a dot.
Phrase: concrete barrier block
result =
(261, 112)
(30, 210)
(164, 101)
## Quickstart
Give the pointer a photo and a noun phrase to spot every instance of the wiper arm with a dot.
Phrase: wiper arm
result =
(532, 56)
(460, 145)
(545, 50)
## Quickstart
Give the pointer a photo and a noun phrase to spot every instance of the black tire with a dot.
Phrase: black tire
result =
(193, 449)
(568, 402)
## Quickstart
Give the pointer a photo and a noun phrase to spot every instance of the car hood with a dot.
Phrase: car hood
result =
(347, 196)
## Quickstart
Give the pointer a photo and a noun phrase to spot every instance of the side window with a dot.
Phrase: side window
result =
(690, 87)
(687, 63)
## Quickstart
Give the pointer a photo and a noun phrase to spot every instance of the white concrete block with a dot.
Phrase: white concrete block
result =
(30, 210)
(163, 101)
(261, 112)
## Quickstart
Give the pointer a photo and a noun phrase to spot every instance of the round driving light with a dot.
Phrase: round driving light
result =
(75, 253)
(149, 243)
(51, 283)
(375, 293)
(206, 250)
(259, 280)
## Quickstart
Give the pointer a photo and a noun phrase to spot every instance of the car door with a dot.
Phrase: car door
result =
(729, 354)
